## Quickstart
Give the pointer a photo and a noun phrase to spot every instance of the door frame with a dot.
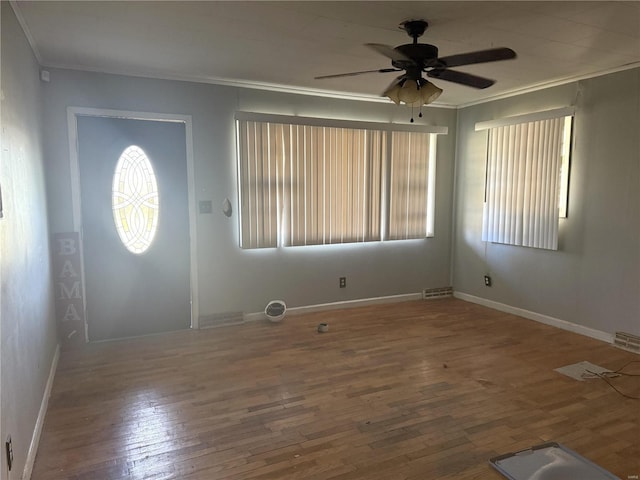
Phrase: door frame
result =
(74, 170)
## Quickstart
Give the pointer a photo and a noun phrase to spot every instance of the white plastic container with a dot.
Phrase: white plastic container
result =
(275, 310)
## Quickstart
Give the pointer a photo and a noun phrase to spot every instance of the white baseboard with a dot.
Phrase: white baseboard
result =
(538, 317)
(344, 304)
(37, 431)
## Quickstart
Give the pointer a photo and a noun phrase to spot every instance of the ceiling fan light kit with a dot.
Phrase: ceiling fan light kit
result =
(414, 93)
(418, 58)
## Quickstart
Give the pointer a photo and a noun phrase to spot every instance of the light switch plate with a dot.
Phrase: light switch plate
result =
(205, 206)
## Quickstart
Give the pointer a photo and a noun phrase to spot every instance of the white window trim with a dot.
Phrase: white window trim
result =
(433, 130)
(527, 117)
(329, 122)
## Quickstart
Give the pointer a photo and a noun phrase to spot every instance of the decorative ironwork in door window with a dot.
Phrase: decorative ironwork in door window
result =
(135, 200)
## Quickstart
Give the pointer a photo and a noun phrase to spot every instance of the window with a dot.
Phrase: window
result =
(527, 179)
(316, 184)
(412, 188)
(134, 200)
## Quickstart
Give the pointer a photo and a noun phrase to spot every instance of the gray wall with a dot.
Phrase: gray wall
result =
(593, 279)
(27, 325)
(231, 279)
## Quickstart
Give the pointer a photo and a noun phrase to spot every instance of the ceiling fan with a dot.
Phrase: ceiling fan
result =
(416, 58)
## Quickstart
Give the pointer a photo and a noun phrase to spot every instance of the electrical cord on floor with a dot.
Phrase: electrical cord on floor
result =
(620, 372)
(611, 373)
(605, 376)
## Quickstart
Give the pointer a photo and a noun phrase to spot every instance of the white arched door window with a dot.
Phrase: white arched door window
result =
(135, 200)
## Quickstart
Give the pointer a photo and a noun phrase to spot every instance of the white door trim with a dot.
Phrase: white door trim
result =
(74, 168)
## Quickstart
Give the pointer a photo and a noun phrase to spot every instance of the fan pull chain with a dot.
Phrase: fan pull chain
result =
(411, 114)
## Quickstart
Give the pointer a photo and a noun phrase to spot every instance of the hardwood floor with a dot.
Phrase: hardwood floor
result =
(417, 390)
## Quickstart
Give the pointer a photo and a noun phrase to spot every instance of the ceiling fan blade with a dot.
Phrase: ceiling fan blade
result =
(352, 74)
(481, 56)
(389, 52)
(461, 78)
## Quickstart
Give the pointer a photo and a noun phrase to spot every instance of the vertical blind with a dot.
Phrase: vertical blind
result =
(331, 185)
(522, 183)
(315, 185)
(260, 183)
(409, 185)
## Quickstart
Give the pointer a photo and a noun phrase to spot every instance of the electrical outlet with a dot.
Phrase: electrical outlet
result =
(9, 449)
(487, 280)
(343, 282)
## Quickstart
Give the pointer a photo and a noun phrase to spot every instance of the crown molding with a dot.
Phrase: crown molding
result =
(551, 84)
(297, 90)
(27, 33)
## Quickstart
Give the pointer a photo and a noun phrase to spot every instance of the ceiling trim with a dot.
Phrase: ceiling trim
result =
(273, 87)
(227, 82)
(554, 83)
(25, 29)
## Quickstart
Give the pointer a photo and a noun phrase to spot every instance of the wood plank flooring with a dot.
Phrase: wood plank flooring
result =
(417, 390)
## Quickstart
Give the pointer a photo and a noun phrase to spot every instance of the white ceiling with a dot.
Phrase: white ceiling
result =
(286, 44)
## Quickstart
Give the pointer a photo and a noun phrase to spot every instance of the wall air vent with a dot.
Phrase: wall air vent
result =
(430, 293)
(627, 341)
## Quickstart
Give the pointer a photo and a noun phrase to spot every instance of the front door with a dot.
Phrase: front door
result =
(137, 261)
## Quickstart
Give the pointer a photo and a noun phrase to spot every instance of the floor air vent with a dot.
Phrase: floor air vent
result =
(627, 341)
(221, 319)
(429, 293)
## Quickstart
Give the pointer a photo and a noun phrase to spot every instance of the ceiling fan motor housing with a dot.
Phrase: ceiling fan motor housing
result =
(420, 55)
